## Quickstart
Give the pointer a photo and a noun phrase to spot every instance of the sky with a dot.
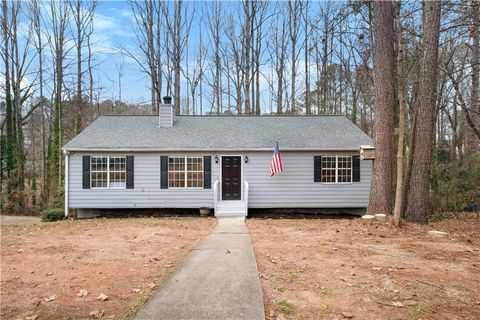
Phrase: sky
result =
(114, 29)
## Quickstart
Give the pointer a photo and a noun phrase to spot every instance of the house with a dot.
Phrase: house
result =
(219, 162)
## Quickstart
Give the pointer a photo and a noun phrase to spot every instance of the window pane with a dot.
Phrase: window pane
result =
(98, 172)
(344, 169)
(118, 168)
(195, 172)
(176, 172)
(328, 169)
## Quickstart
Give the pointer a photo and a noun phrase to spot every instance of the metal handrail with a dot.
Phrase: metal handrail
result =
(245, 195)
(215, 195)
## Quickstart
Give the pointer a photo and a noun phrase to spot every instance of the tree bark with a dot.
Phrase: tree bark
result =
(401, 121)
(384, 62)
(247, 48)
(418, 198)
(472, 116)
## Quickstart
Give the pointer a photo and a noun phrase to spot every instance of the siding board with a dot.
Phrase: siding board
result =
(293, 188)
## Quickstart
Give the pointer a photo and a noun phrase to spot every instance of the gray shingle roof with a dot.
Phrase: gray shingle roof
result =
(221, 133)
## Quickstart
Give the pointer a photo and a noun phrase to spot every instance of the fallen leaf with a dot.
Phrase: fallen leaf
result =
(410, 302)
(97, 314)
(102, 297)
(51, 298)
(152, 285)
(271, 312)
(281, 317)
(82, 293)
(397, 304)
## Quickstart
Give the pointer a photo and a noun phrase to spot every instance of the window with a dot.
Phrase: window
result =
(99, 172)
(344, 169)
(176, 172)
(117, 172)
(185, 176)
(194, 172)
(336, 169)
(108, 172)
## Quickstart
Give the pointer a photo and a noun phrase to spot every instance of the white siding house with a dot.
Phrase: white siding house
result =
(219, 162)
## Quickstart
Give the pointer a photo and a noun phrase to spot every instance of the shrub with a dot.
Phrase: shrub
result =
(53, 214)
(455, 183)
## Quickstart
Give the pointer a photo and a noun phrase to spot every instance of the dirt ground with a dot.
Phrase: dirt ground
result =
(21, 220)
(123, 259)
(339, 268)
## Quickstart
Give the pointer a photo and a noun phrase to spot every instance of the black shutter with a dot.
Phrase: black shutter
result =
(164, 172)
(317, 169)
(207, 172)
(130, 174)
(86, 172)
(356, 168)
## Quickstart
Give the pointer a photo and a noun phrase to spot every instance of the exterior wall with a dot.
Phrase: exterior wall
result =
(166, 115)
(293, 188)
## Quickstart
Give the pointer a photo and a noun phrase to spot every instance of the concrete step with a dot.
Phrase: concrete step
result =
(230, 204)
(231, 212)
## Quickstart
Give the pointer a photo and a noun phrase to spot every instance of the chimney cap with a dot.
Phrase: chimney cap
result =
(167, 100)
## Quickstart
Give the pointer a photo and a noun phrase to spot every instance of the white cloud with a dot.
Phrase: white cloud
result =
(112, 25)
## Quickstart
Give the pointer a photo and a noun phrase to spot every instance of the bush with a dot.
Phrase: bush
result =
(455, 183)
(53, 214)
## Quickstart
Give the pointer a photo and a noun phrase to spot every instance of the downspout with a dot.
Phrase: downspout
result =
(66, 153)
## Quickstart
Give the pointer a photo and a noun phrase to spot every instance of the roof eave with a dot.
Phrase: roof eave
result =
(356, 149)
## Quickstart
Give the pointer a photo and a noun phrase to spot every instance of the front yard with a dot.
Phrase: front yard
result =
(338, 269)
(58, 270)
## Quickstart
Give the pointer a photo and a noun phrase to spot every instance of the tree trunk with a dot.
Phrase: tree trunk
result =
(308, 109)
(247, 46)
(401, 121)
(384, 61)
(418, 198)
(472, 139)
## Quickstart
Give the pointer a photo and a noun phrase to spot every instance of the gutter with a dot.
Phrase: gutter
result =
(66, 181)
(193, 149)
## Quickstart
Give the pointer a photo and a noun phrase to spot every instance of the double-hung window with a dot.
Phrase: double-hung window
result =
(337, 169)
(108, 172)
(185, 172)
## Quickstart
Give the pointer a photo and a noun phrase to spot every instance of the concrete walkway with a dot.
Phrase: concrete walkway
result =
(218, 280)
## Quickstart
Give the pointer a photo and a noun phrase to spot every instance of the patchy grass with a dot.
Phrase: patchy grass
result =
(328, 267)
(285, 307)
(120, 258)
(418, 311)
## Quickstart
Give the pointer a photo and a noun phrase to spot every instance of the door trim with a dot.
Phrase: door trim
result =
(241, 175)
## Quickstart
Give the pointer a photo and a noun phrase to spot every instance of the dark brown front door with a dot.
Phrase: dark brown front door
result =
(231, 178)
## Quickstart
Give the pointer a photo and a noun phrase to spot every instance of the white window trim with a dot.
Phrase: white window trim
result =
(108, 172)
(336, 169)
(185, 177)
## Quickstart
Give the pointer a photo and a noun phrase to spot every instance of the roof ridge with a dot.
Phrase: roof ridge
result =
(232, 115)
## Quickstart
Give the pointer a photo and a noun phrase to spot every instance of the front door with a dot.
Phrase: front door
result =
(231, 178)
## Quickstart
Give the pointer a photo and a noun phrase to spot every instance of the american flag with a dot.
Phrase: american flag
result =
(276, 165)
